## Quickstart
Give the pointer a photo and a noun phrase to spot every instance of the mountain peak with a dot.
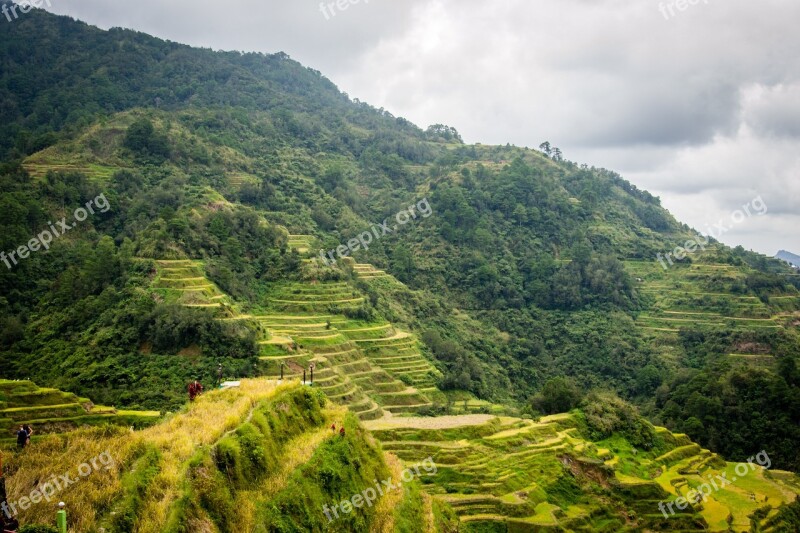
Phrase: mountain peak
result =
(789, 257)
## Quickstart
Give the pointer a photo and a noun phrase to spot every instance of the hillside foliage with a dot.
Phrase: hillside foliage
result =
(530, 269)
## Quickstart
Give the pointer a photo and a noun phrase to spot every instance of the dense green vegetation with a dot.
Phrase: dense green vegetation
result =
(600, 468)
(727, 407)
(531, 269)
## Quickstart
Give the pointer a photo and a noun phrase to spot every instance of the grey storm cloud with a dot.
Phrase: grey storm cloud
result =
(700, 106)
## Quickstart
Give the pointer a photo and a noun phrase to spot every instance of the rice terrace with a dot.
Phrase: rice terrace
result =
(287, 309)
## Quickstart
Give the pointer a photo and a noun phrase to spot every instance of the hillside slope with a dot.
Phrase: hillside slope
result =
(562, 473)
(217, 178)
(264, 457)
(259, 458)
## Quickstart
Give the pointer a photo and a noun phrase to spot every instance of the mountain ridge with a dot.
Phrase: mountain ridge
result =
(534, 280)
(792, 259)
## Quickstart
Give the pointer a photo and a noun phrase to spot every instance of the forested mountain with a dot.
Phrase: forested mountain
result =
(531, 279)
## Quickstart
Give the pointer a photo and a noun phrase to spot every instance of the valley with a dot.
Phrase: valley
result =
(520, 336)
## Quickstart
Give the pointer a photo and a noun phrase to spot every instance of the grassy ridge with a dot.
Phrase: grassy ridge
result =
(262, 457)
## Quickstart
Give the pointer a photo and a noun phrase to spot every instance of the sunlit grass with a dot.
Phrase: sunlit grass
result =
(208, 419)
(301, 449)
(61, 455)
(177, 439)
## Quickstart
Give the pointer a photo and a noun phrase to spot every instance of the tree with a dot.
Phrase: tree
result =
(332, 178)
(102, 267)
(403, 264)
(520, 214)
(606, 414)
(648, 380)
(440, 132)
(559, 395)
(143, 140)
(545, 147)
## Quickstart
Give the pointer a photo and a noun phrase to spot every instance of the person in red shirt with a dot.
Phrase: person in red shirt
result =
(195, 389)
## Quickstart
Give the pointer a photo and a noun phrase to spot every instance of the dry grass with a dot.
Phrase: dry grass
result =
(210, 417)
(177, 439)
(384, 510)
(427, 507)
(61, 456)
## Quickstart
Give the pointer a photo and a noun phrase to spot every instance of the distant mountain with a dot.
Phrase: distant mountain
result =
(789, 257)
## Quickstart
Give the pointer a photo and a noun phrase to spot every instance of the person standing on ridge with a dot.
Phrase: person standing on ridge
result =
(29, 431)
(22, 438)
(195, 389)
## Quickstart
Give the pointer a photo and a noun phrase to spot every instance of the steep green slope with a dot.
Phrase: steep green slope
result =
(527, 268)
(258, 458)
(57, 75)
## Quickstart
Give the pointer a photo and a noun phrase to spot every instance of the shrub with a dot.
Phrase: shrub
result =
(606, 414)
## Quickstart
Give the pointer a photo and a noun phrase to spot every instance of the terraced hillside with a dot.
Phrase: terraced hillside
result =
(302, 243)
(298, 342)
(184, 282)
(236, 459)
(368, 272)
(313, 297)
(371, 367)
(710, 296)
(238, 179)
(98, 164)
(55, 411)
(510, 474)
(38, 170)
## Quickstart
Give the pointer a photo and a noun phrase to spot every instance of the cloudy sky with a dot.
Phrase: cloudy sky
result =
(700, 106)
